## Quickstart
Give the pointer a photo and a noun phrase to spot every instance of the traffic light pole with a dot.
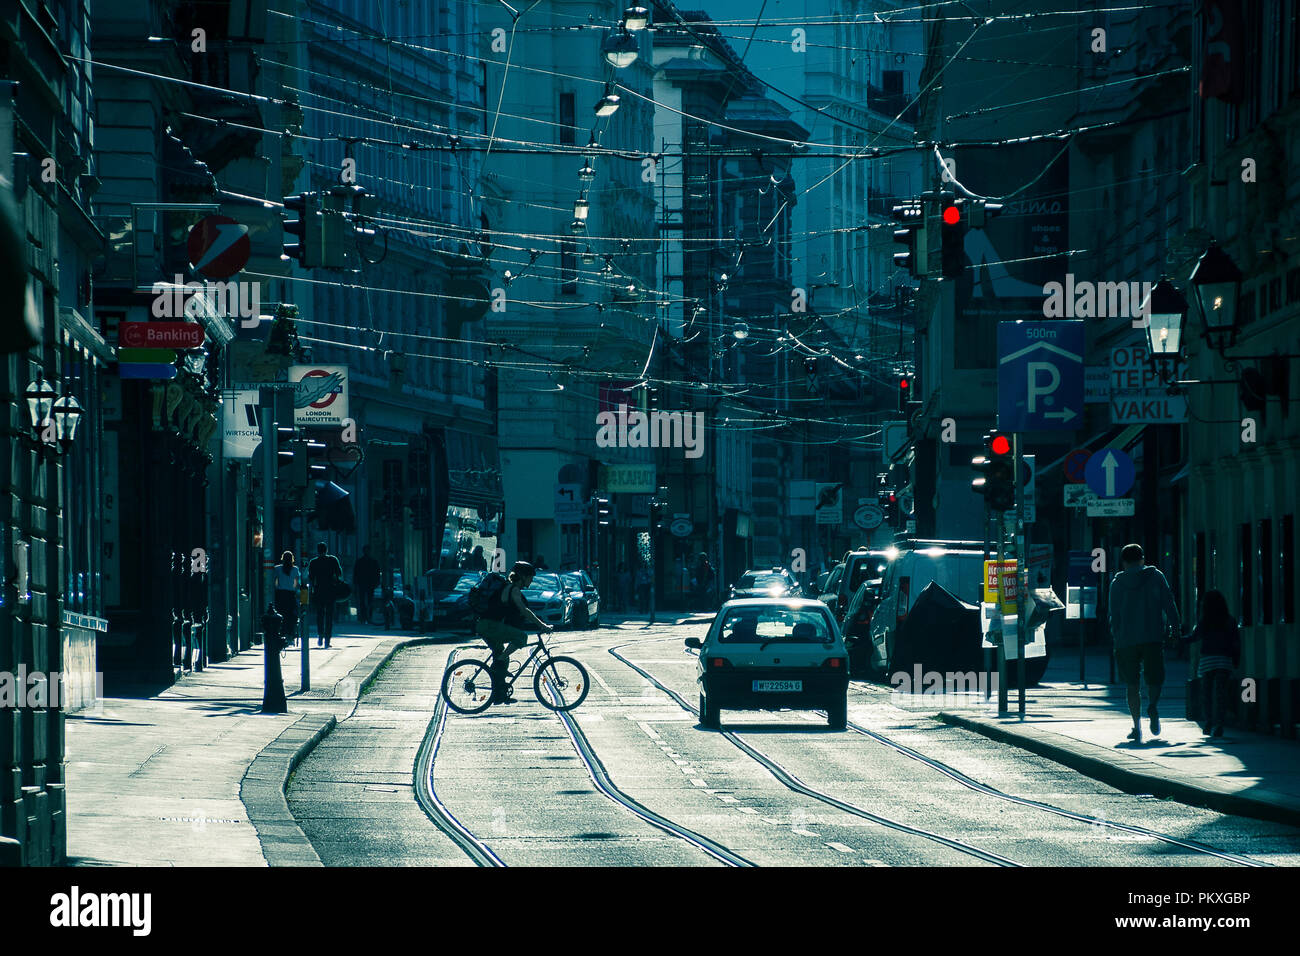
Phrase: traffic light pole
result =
(1022, 572)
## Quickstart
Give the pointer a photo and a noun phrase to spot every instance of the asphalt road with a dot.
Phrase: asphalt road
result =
(771, 788)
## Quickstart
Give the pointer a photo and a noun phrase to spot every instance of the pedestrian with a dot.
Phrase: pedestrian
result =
(324, 575)
(702, 583)
(365, 578)
(624, 588)
(508, 632)
(540, 564)
(1142, 617)
(642, 589)
(477, 561)
(1220, 642)
(287, 579)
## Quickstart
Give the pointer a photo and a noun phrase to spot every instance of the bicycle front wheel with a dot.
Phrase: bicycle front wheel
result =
(467, 687)
(561, 683)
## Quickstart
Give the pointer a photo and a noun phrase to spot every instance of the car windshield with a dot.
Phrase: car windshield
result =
(761, 580)
(866, 570)
(754, 625)
(543, 583)
(452, 580)
(573, 580)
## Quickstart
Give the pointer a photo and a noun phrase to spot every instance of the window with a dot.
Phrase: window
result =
(891, 81)
(1245, 578)
(566, 119)
(1264, 562)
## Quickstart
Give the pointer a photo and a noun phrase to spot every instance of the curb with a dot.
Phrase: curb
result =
(262, 792)
(262, 789)
(1122, 772)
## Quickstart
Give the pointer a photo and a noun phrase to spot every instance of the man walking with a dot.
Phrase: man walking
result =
(324, 573)
(1143, 615)
(365, 578)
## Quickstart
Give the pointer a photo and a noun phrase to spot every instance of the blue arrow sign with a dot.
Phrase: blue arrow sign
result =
(1040, 375)
(1109, 473)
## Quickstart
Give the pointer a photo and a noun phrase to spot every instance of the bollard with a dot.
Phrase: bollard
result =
(273, 701)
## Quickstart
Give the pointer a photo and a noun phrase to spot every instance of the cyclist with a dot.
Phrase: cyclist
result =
(508, 632)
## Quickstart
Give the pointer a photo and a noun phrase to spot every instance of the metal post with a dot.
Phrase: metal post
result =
(269, 460)
(654, 570)
(1022, 570)
(1002, 635)
(306, 643)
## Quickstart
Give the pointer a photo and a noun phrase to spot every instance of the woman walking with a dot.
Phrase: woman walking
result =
(287, 577)
(1220, 654)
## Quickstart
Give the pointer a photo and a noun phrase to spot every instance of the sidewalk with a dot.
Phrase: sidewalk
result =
(195, 775)
(1243, 773)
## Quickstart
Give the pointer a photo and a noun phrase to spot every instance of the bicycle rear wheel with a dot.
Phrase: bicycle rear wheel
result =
(467, 687)
(561, 683)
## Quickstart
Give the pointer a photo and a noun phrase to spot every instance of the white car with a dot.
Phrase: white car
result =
(769, 653)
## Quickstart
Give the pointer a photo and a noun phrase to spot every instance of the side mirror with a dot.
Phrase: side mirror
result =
(694, 642)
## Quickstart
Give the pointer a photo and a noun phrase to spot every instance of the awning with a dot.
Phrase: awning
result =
(1111, 438)
(473, 468)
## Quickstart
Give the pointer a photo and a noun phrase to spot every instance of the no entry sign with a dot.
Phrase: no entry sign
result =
(218, 247)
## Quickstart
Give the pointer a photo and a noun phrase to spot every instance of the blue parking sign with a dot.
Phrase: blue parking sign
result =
(1040, 375)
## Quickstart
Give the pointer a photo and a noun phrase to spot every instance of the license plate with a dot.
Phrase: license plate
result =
(777, 686)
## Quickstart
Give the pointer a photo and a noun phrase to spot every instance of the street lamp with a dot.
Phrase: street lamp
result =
(40, 397)
(1216, 282)
(588, 172)
(607, 105)
(619, 49)
(1164, 308)
(580, 208)
(636, 18)
(67, 415)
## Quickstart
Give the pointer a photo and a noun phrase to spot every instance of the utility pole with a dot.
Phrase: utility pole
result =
(1022, 571)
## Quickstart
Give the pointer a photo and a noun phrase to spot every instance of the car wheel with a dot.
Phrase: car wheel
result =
(837, 714)
(709, 716)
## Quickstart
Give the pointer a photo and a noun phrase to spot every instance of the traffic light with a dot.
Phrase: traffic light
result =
(309, 228)
(995, 473)
(953, 232)
(904, 392)
(604, 513)
(911, 233)
(889, 505)
(981, 210)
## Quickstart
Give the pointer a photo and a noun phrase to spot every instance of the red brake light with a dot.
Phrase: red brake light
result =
(719, 662)
(834, 663)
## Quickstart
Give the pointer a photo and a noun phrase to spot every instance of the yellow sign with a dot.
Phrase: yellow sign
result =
(1000, 584)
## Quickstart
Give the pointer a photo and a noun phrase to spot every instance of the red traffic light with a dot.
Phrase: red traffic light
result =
(904, 384)
(892, 498)
(952, 215)
(1000, 445)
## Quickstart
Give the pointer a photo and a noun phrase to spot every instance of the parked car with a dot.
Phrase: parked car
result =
(446, 598)
(776, 583)
(769, 653)
(859, 567)
(586, 599)
(856, 626)
(955, 566)
(830, 588)
(549, 599)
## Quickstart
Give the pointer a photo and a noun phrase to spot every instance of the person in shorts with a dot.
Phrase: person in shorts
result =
(1143, 616)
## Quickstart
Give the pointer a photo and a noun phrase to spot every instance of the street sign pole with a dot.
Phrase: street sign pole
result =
(1022, 570)
(988, 652)
(1002, 634)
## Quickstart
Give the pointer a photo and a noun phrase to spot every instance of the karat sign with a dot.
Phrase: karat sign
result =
(630, 479)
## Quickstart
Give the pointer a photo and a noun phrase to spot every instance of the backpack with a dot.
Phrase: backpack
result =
(484, 598)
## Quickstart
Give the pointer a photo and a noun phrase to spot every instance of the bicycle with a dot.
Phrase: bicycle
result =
(560, 683)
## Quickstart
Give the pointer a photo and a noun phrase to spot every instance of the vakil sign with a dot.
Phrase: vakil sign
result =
(1137, 395)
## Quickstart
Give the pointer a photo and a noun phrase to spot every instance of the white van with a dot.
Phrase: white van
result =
(957, 566)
